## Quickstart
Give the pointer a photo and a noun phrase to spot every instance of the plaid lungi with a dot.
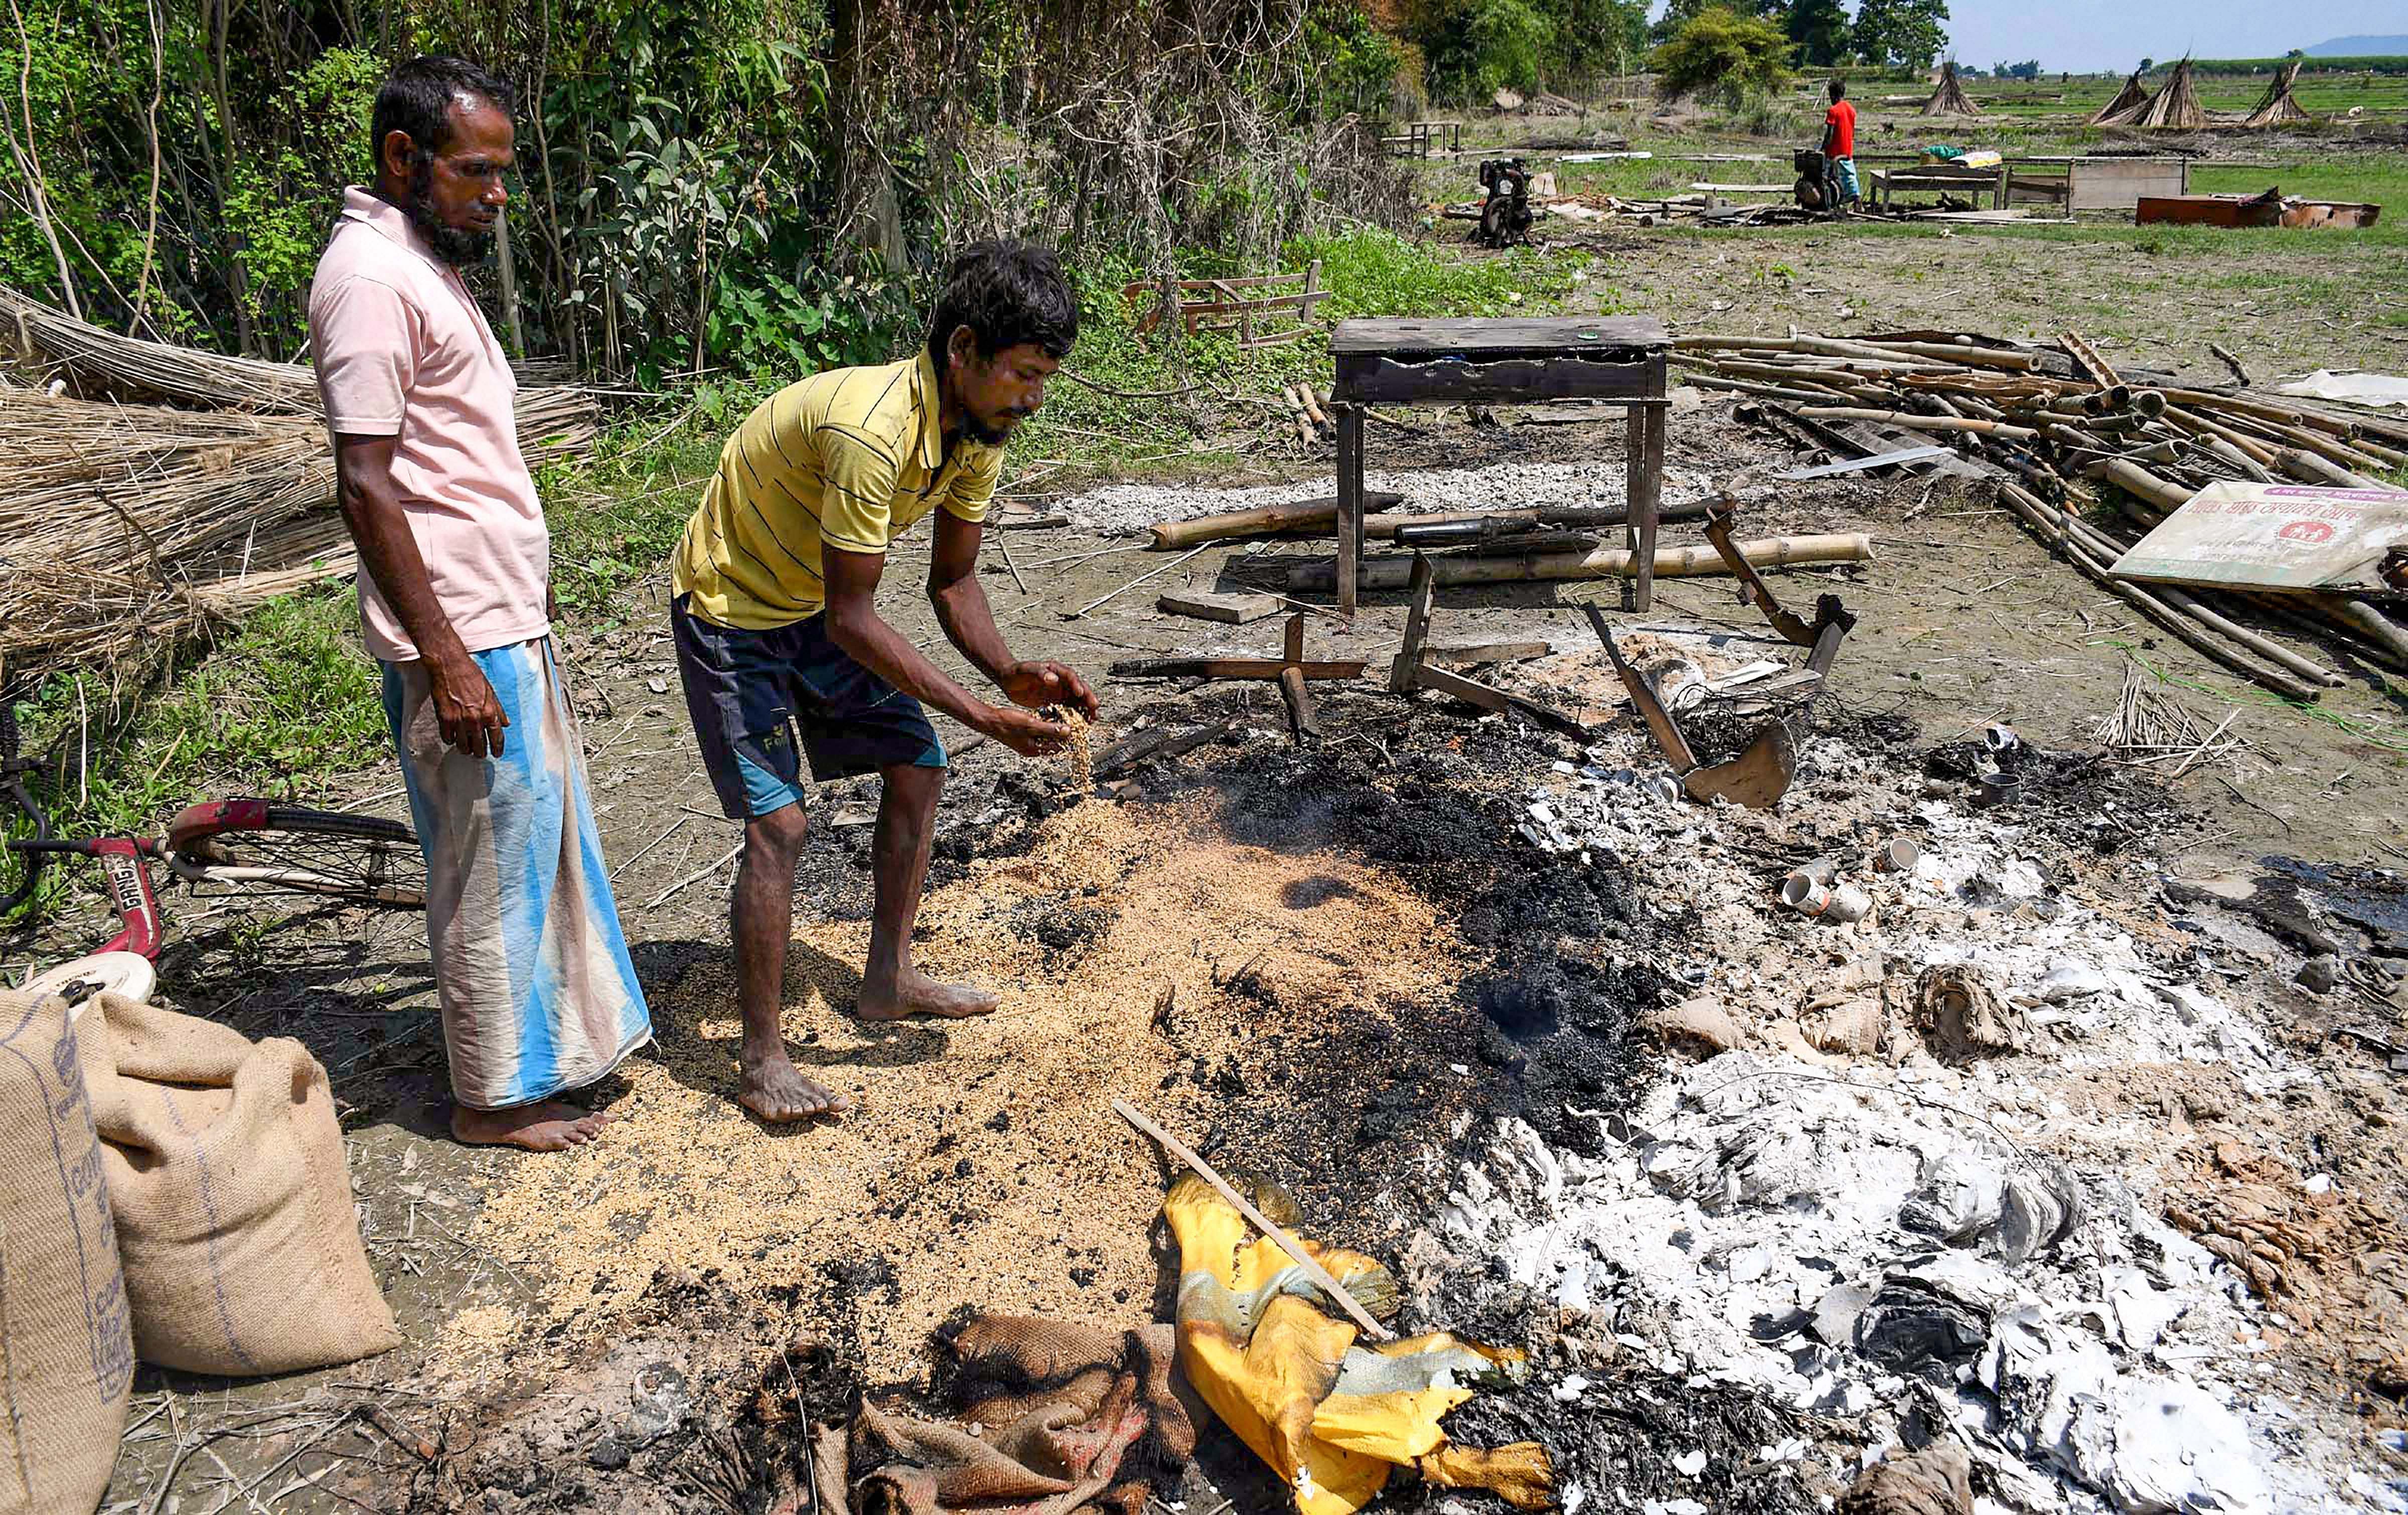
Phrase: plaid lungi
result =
(531, 968)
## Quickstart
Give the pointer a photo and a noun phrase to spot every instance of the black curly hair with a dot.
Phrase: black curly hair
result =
(1007, 293)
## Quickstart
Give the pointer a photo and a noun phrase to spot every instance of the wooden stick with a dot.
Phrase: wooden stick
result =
(1074, 615)
(1232, 668)
(1913, 421)
(1314, 1271)
(697, 875)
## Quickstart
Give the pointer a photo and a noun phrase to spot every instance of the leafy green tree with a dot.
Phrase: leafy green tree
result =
(1478, 47)
(1820, 29)
(1593, 35)
(1908, 34)
(2148, 64)
(1723, 53)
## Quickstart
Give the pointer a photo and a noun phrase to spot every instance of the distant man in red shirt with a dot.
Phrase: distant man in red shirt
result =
(1839, 142)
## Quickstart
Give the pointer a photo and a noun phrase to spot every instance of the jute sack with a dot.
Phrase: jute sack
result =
(232, 1204)
(66, 1356)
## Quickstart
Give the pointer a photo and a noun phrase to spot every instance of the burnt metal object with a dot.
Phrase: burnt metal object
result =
(1756, 778)
(1832, 621)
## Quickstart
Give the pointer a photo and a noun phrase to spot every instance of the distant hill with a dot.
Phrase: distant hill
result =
(2359, 46)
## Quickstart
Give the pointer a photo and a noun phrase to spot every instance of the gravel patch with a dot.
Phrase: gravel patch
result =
(1128, 509)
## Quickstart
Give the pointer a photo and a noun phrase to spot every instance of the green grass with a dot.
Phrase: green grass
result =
(284, 701)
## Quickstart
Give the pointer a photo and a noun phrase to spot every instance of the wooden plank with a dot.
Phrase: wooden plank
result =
(1166, 742)
(1530, 335)
(1646, 479)
(1472, 692)
(1229, 609)
(1625, 376)
(1303, 722)
(1483, 654)
(1419, 594)
(1266, 668)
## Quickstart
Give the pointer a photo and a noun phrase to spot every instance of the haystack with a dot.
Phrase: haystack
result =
(2174, 108)
(2279, 107)
(127, 525)
(2130, 98)
(1950, 99)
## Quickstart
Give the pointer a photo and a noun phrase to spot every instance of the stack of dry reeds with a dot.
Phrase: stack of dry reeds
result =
(127, 528)
(2061, 424)
(2174, 106)
(1948, 98)
(2280, 106)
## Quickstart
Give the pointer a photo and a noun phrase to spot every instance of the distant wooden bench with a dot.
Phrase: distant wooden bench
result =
(1229, 305)
(1423, 139)
(2072, 183)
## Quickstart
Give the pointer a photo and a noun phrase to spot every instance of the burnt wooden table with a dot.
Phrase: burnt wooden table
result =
(1403, 361)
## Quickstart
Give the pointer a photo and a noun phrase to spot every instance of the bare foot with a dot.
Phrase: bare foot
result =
(915, 994)
(776, 1091)
(545, 1126)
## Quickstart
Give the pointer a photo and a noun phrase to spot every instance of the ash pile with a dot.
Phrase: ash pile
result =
(1974, 1134)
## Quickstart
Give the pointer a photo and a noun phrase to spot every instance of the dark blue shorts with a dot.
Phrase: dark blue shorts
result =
(755, 696)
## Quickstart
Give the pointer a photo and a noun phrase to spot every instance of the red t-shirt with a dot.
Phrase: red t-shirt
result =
(1842, 118)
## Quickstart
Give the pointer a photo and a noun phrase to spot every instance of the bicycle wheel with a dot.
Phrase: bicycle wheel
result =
(253, 848)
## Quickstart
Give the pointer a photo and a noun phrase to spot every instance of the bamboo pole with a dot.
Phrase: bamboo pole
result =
(1262, 520)
(1605, 563)
(1312, 1268)
(2036, 514)
(2135, 479)
(1913, 421)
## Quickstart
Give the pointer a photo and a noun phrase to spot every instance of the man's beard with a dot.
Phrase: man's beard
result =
(990, 434)
(459, 247)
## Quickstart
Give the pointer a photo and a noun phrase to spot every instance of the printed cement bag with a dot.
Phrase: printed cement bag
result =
(233, 1205)
(66, 1356)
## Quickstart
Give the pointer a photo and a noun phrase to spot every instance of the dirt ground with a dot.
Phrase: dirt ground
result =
(1137, 941)
(1299, 961)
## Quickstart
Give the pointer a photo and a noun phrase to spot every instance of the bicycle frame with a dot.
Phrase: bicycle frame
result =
(125, 874)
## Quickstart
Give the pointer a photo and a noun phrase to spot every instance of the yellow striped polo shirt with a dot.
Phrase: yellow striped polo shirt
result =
(853, 456)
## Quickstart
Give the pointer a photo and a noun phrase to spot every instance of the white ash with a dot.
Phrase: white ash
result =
(1128, 509)
(1808, 1225)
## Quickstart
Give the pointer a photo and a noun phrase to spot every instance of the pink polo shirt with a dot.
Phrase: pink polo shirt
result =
(403, 351)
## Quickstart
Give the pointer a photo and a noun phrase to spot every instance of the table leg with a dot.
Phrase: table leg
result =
(1350, 503)
(1644, 478)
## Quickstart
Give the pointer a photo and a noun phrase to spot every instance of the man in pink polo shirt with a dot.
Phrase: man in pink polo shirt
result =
(538, 997)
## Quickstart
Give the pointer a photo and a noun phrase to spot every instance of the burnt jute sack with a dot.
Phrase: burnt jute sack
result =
(232, 1204)
(66, 1357)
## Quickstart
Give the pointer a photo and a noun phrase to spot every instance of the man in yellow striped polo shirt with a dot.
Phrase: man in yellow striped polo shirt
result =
(785, 656)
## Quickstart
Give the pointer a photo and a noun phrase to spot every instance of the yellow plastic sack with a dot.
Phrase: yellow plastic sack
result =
(1332, 1419)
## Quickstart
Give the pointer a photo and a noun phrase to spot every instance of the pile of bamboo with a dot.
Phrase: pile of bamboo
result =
(2075, 441)
(126, 529)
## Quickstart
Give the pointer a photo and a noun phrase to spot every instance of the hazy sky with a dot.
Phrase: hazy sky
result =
(2084, 34)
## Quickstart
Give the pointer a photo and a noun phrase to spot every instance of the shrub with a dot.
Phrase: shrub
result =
(1724, 55)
